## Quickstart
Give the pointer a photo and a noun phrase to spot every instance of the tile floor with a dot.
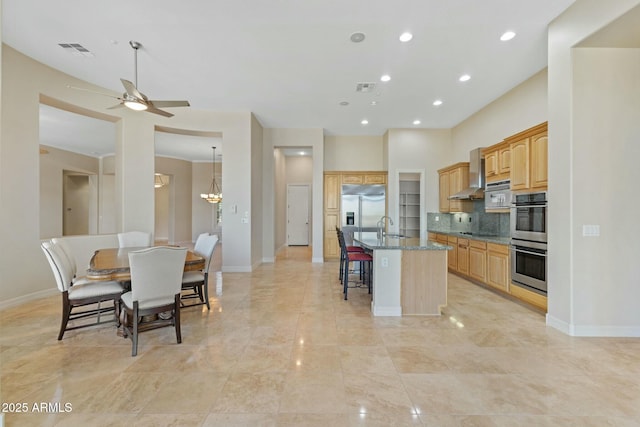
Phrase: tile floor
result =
(281, 347)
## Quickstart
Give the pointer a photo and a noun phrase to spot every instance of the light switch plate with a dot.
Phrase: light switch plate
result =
(590, 230)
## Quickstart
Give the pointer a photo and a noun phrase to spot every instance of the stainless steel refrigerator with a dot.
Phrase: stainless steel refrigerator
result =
(362, 207)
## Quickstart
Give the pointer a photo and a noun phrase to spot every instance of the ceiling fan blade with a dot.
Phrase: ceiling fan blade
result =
(93, 91)
(131, 89)
(166, 104)
(154, 110)
(121, 105)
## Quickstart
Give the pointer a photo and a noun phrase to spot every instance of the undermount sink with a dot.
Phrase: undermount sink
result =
(395, 236)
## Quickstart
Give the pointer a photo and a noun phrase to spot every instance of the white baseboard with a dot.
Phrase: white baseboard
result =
(593, 330)
(236, 269)
(317, 260)
(394, 311)
(27, 298)
(268, 260)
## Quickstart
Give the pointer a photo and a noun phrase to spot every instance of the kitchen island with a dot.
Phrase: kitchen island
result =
(409, 274)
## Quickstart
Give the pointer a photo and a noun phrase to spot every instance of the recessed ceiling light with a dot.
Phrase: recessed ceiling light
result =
(374, 103)
(507, 36)
(464, 77)
(437, 102)
(405, 37)
(357, 37)
(365, 122)
(416, 122)
(302, 153)
(385, 78)
(344, 103)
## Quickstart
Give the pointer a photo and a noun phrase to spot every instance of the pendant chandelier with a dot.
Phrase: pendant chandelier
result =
(214, 195)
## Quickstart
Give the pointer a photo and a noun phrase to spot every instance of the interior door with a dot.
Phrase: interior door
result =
(75, 205)
(298, 215)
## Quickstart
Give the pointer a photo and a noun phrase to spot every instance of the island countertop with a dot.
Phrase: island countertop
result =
(369, 240)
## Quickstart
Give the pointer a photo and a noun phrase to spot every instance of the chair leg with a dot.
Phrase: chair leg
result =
(206, 290)
(346, 278)
(66, 312)
(176, 319)
(135, 320)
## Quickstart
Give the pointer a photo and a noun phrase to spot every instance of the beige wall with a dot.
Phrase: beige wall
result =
(52, 165)
(24, 81)
(299, 170)
(353, 153)
(421, 151)
(590, 103)
(280, 199)
(521, 108)
(256, 208)
(286, 138)
(161, 231)
(180, 201)
(203, 213)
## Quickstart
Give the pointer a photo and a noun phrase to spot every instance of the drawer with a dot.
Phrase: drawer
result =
(478, 244)
(452, 240)
(501, 249)
(463, 242)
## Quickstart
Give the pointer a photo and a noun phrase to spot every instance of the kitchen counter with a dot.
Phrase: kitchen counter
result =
(409, 275)
(369, 240)
(481, 237)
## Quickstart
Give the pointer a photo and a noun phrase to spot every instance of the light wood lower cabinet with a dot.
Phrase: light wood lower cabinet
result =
(463, 256)
(498, 266)
(452, 259)
(478, 260)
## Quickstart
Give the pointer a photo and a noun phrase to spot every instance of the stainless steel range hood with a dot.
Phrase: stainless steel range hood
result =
(475, 190)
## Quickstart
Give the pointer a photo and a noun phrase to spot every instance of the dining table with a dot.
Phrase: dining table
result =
(113, 263)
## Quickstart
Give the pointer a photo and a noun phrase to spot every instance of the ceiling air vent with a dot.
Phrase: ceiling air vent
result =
(365, 87)
(75, 49)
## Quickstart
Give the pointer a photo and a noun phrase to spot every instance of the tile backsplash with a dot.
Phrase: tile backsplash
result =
(478, 222)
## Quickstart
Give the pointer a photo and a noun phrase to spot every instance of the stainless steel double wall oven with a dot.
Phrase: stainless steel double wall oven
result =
(529, 241)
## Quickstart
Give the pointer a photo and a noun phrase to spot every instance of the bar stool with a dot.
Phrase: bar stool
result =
(349, 249)
(365, 260)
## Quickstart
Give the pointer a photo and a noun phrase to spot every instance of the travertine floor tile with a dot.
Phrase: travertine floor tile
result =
(281, 347)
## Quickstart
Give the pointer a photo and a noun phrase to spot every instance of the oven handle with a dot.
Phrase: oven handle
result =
(515, 249)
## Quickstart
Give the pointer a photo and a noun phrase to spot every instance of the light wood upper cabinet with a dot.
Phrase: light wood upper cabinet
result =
(539, 161)
(375, 178)
(331, 191)
(529, 158)
(444, 192)
(491, 164)
(520, 164)
(352, 179)
(504, 161)
(453, 179)
(497, 162)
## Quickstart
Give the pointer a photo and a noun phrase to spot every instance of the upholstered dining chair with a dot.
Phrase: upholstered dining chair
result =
(133, 239)
(197, 281)
(156, 279)
(80, 292)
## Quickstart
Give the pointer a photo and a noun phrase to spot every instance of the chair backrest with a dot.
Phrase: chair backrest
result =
(205, 249)
(156, 272)
(343, 245)
(132, 239)
(58, 265)
(200, 237)
(68, 253)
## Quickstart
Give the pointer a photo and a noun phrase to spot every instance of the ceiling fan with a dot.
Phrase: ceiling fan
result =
(134, 99)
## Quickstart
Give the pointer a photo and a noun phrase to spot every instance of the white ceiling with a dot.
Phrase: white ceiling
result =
(291, 62)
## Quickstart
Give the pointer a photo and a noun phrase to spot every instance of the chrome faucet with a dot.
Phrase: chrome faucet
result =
(380, 225)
